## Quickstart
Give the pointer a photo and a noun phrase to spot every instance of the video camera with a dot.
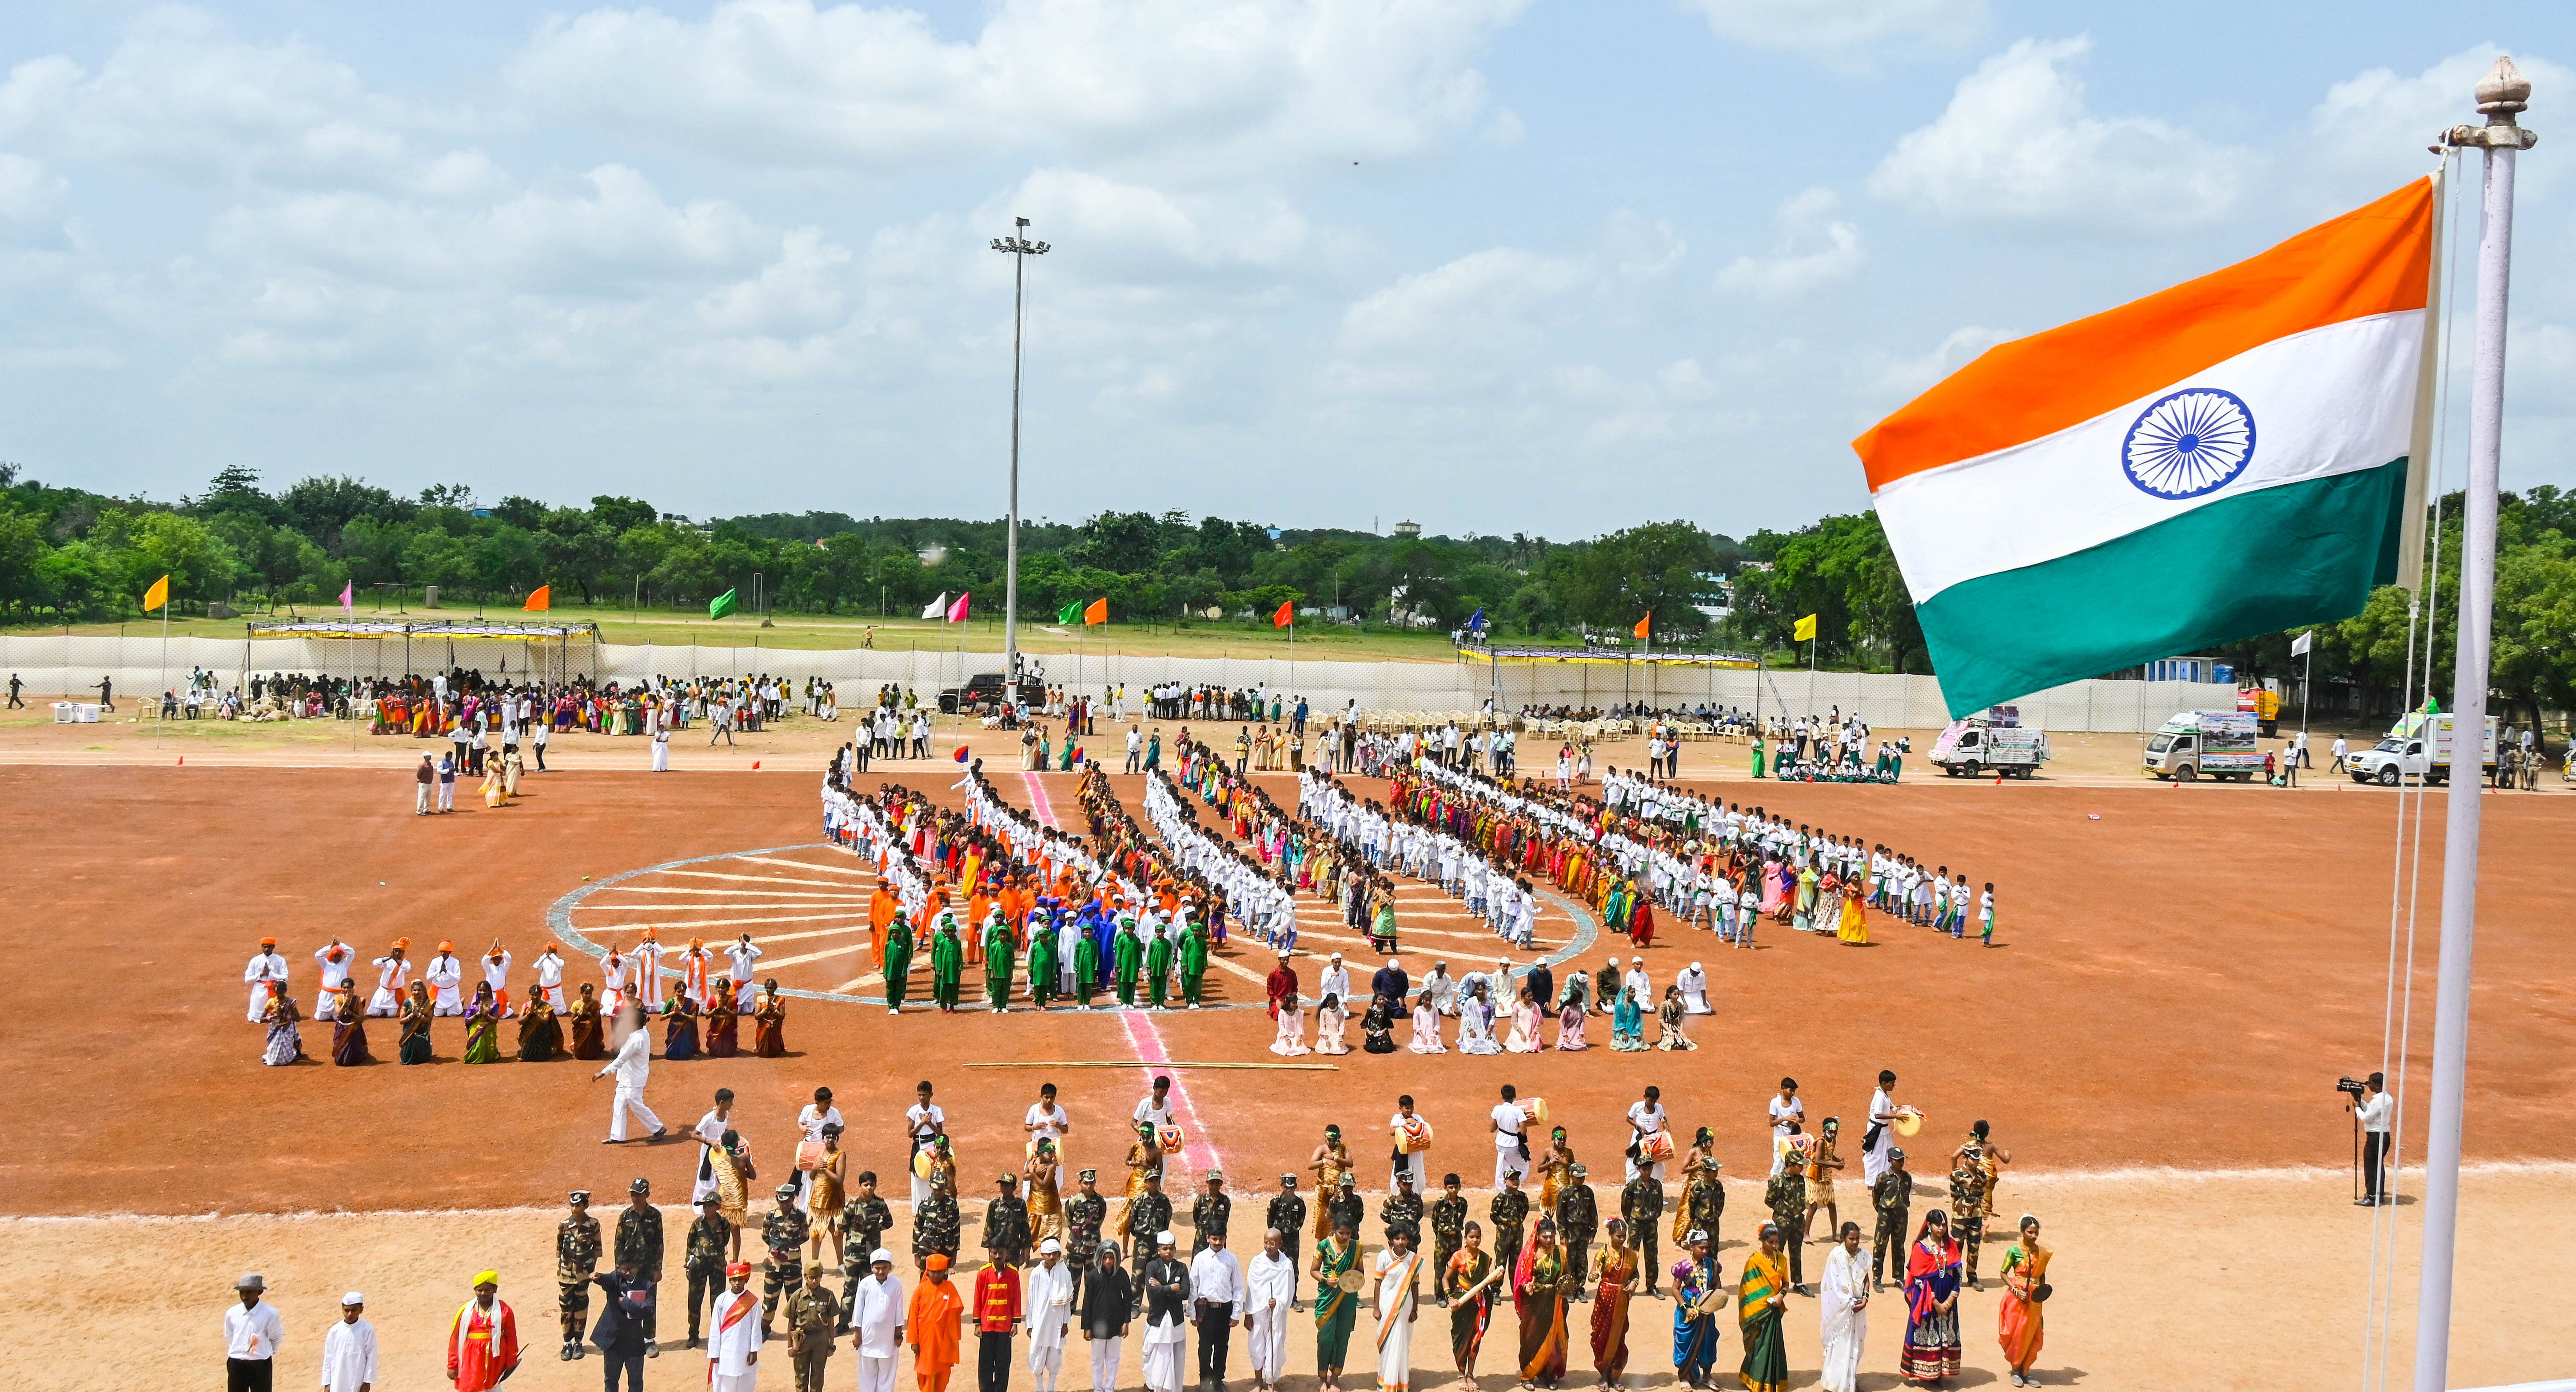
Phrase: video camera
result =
(2351, 1087)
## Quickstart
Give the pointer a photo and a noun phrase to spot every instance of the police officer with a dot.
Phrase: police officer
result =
(813, 1317)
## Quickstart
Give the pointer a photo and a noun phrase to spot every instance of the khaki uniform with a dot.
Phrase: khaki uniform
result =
(813, 1316)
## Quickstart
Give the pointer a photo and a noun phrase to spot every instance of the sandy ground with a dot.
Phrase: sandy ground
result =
(2226, 1280)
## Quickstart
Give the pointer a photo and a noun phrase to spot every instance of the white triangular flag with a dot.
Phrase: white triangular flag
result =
(937, 608)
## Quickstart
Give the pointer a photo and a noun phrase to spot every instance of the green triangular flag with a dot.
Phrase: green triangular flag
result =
(720, 606)
(1069, 613)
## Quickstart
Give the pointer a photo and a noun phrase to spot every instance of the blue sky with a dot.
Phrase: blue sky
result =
(1498, 265)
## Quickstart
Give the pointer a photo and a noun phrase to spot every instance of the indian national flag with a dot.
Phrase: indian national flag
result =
(2224, 458)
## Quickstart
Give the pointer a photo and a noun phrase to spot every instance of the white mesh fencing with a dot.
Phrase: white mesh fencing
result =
(56, 664)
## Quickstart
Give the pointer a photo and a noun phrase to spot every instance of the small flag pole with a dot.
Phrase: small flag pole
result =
(2502, 95)
(165, 659)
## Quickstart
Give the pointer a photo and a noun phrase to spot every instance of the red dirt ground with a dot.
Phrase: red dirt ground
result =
(2177, 983)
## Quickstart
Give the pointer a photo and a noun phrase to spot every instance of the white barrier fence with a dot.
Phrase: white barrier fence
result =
(52, 665)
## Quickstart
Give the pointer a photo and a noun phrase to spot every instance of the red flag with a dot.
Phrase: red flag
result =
(1644, 624)
(540, 599)
(961, 754)
(1287, 614)
(957, 611)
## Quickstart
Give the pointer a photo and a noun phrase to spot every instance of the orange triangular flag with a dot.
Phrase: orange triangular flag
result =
(1644, 625)
(1098, 612)
(541, 599)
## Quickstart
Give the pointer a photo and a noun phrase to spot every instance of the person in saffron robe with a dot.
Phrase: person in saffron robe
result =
(679, 1026)
(2025, 1273)
(349, 1031)
(415, 1025)
(1616, 1272)
(1761, 1300)
(1337, 1302)
(285, 1045)
(1540, 1285)
(932, 1324)
(540, 1032)
(769, 1022)
(583, 1023)
(1467, 1288)
(1699, 1287)
(483, 1342)
(1932, 1268)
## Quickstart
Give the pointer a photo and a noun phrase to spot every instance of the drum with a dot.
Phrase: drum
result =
(1168, 1136)
(1656, 1149)
(1413, 1136)
(1535, 1108)
(809, 1155)
(1908, 1121)
(922, 1163)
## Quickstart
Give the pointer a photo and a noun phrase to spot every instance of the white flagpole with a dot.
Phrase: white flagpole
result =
(2502, 94)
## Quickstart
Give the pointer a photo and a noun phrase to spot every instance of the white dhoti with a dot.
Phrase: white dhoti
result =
(1046, 1359)
(876, 1372)
(632, 1100)
(1104, 1362)
(1163, 1359)
(661, 756)
(1269, 1343)
(383, 1002)
(734, 1382)
(327, 1008)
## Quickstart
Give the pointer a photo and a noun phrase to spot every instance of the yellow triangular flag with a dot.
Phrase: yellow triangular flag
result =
(1805, 630)
(158, 595)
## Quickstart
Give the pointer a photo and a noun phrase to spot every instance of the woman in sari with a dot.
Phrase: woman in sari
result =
(1931, 1351)
(1337, 1303)
(540, 1031)
(1525, 1026)
(1330, 1162)
(1467, 1286)
(1291, 1040)
(582, 1022)
(1329, 1026)
(415, 1025)
(2025, 1276)
(349, 1030)
(495, 788)
(769, 1022)
(1396, 1284)
(724, 1023)
(1426, 1026)
(679, 1026)
(1616, 1271)
(1538, 1294)
(483, 1026)
(1628, 1023)
(1670, 1019)
(1699, 1288)
(284, 1045)
(1761, 1297)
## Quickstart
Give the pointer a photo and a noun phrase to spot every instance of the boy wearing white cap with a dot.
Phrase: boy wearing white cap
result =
(1048, 1288)
(876, 1322)
(349, 1348)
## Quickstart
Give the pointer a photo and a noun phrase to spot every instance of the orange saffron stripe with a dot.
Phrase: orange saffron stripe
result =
(2376, 259)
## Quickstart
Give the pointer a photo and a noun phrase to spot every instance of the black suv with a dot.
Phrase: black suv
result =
(983, 692)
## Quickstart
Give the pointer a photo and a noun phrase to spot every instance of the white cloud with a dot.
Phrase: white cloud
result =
(1839, 28)
(800, 292)
(2368, 135)
(1264, 83)
(2017, 148)
(1815, 249)
(1889, 377)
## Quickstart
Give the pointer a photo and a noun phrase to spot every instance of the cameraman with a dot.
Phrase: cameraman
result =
(2372, 1108)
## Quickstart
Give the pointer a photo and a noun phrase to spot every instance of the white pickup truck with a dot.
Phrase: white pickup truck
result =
(2214, 744)
(1971, 747)
(2402, 754)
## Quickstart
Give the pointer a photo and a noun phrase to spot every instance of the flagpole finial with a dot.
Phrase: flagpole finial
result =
(2503, 94)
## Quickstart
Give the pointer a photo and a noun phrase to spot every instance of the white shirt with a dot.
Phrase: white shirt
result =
(1645, 1118)
(925, 1120)
(348, 1355)
(876, 1312)
(729, 1350)
(1050, 1123)
(2374, 1111)
(252, 1332)
(1216, 1277)
(335, 973)
(813, 1121)
(1146, 1111)
(1049, 1295)
(498, 973)
(1509, 1121)
(634, 1061)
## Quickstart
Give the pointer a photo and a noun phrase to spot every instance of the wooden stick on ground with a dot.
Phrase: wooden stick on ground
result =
(1139, 1063)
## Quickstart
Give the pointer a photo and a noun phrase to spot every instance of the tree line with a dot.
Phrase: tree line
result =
(68, 555)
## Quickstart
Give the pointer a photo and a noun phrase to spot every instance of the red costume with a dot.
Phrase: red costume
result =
(482, 1346)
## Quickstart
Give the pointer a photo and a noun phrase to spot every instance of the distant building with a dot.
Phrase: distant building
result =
(1408, 530)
